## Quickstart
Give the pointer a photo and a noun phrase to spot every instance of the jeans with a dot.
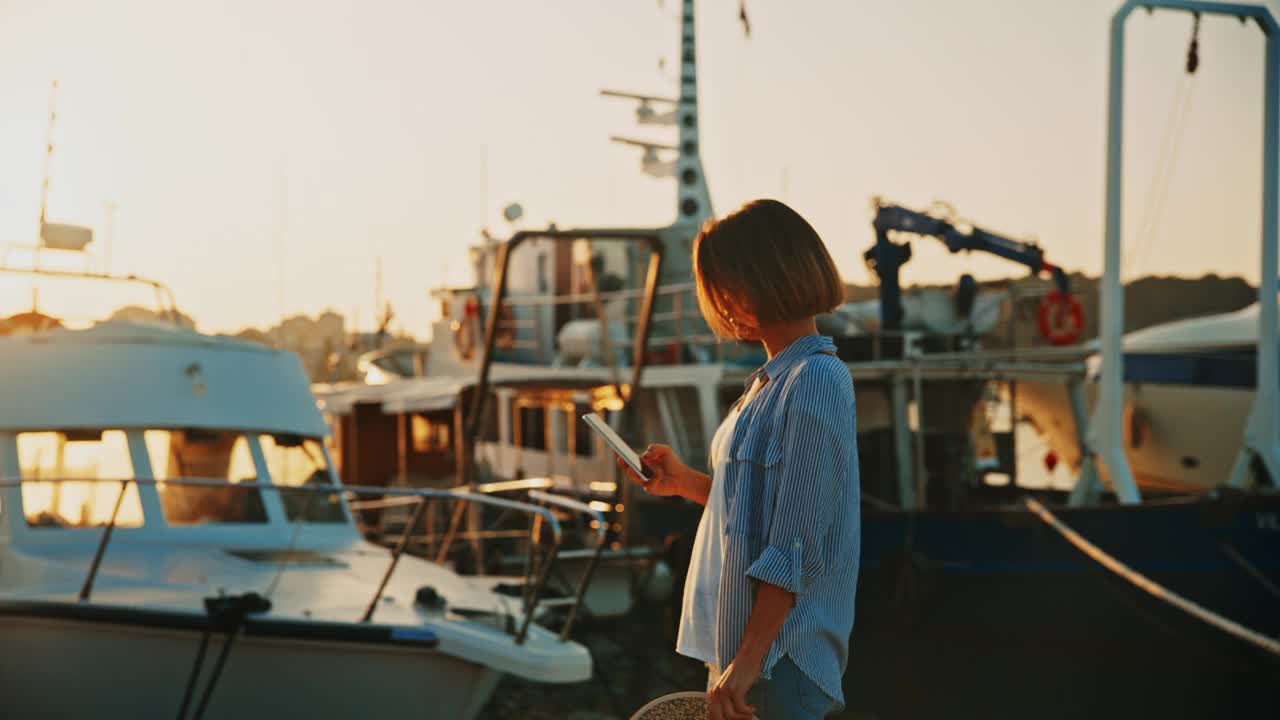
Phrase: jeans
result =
(789, 695)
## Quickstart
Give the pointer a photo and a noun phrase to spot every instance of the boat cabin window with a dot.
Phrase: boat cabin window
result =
(205, 455)
(66, 467)
(295, 461)
(531, 430)
(584, 440)
(561, 426)
(489, 422)
(429, 435)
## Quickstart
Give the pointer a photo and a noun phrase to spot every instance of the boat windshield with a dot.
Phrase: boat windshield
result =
(295, 461)
(75, 458)
(205, 455)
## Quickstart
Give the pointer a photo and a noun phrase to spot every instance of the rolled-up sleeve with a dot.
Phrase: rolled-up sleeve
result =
(815, 445)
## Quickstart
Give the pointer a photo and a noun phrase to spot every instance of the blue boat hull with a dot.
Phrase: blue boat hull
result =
(993, 614)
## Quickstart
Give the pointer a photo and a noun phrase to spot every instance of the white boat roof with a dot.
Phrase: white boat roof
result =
(1212, 332)
(440, 392)
(141, 375)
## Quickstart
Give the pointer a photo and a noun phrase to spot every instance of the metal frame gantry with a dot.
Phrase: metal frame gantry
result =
(1104, 440)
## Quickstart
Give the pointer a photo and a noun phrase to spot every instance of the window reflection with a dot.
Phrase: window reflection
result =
(80, 455)
(294, 461)
(204, 455)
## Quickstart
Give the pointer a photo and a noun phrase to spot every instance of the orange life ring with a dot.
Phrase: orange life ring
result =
(1061, 317)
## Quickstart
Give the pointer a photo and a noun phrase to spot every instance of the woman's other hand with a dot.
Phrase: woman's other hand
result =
(665, 468)
(728, 699)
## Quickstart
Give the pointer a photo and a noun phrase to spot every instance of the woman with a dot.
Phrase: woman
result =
(768, 601)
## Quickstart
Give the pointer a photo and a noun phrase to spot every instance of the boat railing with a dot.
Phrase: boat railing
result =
(683, 316)
(540, 515)
(166, 306)
(601, 530)
(535, 490)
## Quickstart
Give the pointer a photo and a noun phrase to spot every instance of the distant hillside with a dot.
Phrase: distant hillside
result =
(1147, 301)
(1154, 300)
(139, 314)
(328, 351)
(322, 342)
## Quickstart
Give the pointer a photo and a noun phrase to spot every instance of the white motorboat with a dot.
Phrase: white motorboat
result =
(173, 541)
(1189, 386)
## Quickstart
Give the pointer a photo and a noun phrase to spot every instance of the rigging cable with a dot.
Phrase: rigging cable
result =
(318, 467)
(1160, 180)
(287, 555)
(227, 613)
(1167, 158)
(195, 671)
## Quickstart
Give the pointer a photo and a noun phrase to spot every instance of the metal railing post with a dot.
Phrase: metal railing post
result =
(449, 534)
(87, 588)
(395, 559)
(543, 570)
(601, 533)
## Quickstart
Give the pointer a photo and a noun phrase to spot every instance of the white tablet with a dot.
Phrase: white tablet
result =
(616, 443)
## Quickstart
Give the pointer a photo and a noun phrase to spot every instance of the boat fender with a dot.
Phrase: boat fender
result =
(964, 297)
(660, 583)
(428, 599)
(464, 331)
(1135, 427)
(1050, 460)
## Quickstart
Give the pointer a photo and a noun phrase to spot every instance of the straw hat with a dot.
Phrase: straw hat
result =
(687, 705)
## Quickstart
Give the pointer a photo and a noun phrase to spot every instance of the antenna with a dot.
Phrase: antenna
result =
(484, 185)
(56, 236)
(110, 208)
(381, 308)
(48, 153)
(377, 285)
(282, 241)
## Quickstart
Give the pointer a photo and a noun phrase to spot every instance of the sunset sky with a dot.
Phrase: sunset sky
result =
(245, 143)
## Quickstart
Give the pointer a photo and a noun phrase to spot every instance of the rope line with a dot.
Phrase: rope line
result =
(1166, 161)
(1160, 592)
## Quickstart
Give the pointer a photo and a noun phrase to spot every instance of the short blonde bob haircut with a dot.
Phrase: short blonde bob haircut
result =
(762, 265)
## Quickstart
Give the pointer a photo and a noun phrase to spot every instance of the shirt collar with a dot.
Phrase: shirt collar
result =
(799, 349)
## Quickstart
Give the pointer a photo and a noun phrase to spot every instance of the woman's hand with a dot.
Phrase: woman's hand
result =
(728, 699)
(667, 471)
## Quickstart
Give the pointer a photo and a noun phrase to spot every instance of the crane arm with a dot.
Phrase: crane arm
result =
(886, 257)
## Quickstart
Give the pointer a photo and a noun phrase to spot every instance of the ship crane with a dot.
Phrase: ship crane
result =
(1061, 316)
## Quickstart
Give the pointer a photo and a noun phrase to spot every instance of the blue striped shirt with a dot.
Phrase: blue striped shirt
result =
(792, 504)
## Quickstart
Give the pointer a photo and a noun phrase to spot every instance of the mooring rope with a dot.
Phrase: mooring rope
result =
(1095, 553)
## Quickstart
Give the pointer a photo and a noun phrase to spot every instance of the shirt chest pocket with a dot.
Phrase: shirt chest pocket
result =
(752, 483)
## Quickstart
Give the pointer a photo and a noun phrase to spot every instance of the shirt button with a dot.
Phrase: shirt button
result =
(797, 546)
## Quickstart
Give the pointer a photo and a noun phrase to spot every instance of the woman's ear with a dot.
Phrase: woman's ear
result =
(742, 320)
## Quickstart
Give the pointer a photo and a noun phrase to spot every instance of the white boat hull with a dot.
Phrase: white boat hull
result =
(69, 668)
(1178, 438)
